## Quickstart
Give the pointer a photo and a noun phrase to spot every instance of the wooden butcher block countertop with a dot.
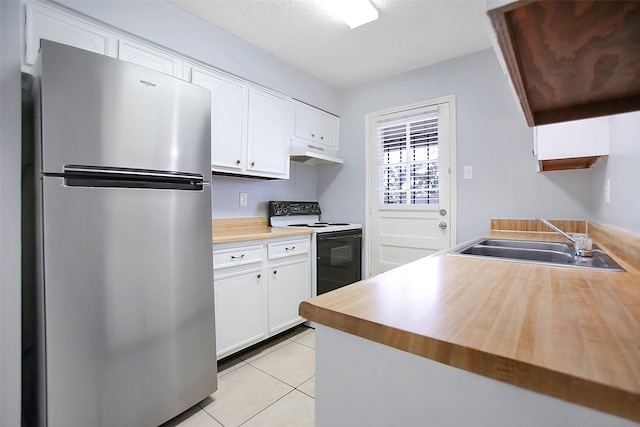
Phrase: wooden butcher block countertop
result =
(243, 229)
(570, 333)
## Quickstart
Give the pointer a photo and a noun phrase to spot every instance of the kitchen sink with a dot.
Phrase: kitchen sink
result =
(537, 252)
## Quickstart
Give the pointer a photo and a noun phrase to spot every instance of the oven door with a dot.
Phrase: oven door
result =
(339, 259)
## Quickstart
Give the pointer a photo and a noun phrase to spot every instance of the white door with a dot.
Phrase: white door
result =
(150, 58)
(228, 105)
(240, 310)
(288, 287)
(268, 135)
(410, 183)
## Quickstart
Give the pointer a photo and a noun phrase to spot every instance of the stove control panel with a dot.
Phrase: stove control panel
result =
(293, 208)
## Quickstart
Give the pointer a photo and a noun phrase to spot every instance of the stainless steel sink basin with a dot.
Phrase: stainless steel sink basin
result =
(537, 252)
(529, 244)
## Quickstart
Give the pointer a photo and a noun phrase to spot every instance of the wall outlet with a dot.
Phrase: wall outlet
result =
(607, 191)
(468, 172)
(243, 199)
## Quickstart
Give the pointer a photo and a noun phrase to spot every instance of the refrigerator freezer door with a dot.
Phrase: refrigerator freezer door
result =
(100, 111)
(130, 334)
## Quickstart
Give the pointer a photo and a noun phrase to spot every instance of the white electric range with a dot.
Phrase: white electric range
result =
(336, 247)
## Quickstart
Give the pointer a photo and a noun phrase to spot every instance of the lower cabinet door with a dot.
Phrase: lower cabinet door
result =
(240, 310)
(289, 285)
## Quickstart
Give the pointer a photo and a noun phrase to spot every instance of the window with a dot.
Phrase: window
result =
(408, 158)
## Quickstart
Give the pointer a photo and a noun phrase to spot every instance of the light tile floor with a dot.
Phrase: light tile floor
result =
(270, 385)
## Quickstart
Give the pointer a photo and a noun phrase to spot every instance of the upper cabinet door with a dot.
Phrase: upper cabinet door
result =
(305, 123)
(268, 134)
(328, 126)
(150, 58)
(44, 23)
(228, 99)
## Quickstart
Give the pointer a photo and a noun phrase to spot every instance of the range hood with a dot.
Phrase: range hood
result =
(312, 155)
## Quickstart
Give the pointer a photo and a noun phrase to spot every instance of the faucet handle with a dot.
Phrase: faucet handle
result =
(583, 242)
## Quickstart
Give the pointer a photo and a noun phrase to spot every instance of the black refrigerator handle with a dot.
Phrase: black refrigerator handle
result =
(99, 176)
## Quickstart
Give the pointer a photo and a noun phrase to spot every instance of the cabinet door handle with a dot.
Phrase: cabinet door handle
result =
(275, 271)
(290, 249)
(313, 135)
(237, 257)
(259, 275)
(322, 138)
(253, 164)
(237, 162)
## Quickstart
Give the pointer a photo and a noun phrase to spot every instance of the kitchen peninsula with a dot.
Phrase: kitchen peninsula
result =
(455, 341)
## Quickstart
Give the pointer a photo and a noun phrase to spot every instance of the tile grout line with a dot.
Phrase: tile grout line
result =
(283, 382)
(246, 362)
(261, 411)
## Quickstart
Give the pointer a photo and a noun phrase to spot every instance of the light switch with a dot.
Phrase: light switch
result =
(243, 199)
(468, 172)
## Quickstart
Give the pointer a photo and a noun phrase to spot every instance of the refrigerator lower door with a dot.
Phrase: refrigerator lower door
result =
(128, 304)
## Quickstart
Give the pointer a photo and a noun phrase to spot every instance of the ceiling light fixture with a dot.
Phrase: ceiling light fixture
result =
(354, 12)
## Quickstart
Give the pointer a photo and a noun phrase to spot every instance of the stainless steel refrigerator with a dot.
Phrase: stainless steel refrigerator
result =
(125, 286)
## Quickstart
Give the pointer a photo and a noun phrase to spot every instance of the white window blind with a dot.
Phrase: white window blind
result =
(408, 158)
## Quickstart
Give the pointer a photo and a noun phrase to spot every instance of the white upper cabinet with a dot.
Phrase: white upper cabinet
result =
(577, 144)
(43, 22)
(228, 106)
(268, 135)
(316, 126)
(150, 58)
(250, 127)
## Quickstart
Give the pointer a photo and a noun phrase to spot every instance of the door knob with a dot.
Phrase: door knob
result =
(442, 225)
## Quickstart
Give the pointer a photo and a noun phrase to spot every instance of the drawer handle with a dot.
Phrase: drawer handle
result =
(290, 249)
(237, 257)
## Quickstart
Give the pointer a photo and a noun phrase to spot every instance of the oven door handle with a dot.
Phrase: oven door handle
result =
(345, 236)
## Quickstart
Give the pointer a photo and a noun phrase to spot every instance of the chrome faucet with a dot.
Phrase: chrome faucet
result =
(554, 228)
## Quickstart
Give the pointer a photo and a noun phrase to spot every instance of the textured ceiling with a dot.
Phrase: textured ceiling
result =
(409, 34)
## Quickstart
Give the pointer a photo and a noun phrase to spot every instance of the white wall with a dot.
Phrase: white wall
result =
(226, 191)
(171, 27)
(622, 168)
(491, 136)
(10, 165)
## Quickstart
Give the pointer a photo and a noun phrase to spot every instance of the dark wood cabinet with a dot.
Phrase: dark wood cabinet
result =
(571, 59)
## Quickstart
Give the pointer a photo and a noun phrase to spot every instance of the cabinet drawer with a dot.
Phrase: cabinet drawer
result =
(237, 256)
(290, 248)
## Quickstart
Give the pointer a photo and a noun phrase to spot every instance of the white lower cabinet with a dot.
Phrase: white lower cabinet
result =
(289, 283)
(258, 288)
(240, 309)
